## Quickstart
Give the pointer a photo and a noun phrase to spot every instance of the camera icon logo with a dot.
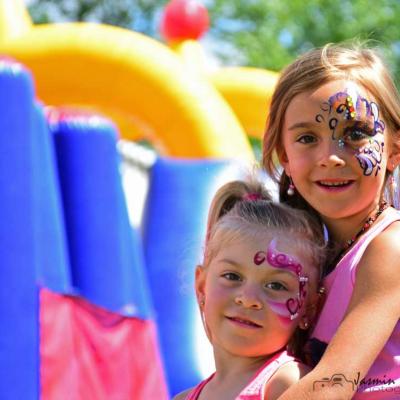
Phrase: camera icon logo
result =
(334, 380)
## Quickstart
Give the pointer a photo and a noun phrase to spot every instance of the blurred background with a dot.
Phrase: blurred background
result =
(119, 119)
(258, 33)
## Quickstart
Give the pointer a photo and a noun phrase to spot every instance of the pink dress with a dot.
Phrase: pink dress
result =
(255, 389)
(383, 379)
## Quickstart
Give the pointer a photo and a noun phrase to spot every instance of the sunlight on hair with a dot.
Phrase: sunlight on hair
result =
(242, 171)
(233, 172)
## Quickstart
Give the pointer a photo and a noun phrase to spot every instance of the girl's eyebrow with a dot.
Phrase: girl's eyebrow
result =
(309, 125)
(301, 125)
(229, 261)
(359, 121)
(274, 271)
(281, 271)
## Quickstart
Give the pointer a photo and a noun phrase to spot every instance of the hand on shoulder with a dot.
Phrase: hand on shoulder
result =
(285, 376)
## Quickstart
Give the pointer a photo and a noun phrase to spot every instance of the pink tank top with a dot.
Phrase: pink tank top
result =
(383, 379)
(255, 389)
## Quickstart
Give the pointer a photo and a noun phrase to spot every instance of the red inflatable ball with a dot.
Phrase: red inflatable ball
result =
(184, 19)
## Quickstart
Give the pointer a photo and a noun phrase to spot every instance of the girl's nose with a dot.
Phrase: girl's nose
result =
(249, 299)
(332, 154)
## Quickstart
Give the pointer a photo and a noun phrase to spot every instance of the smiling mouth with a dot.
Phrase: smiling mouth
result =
(244, 322)
(334, 184)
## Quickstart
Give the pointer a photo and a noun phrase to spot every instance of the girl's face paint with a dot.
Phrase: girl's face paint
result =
(348, 105)
(359, 136)
(335, 149)
(286, 262)
(252, 297)
(370, 157)
(281, 310)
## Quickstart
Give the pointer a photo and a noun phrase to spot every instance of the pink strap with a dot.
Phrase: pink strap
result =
(255, 387)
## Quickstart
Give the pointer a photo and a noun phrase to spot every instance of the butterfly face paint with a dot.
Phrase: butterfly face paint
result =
(287, 309)
(362, 127)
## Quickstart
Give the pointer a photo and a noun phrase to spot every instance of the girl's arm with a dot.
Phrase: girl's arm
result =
(372, 314)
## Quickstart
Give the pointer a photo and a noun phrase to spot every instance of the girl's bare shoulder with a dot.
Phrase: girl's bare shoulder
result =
(287, 375)
(379, 267)
(385, 247)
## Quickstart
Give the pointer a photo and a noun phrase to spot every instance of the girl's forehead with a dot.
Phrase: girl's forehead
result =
(244, 250)
(309, 102)
(330, 89)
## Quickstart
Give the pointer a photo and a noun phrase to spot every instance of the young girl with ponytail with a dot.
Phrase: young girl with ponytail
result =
(256, 289)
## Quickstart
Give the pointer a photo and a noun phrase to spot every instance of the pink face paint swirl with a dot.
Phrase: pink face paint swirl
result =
(286, 262)
(282, 260)
(281, 310)
(278, 260)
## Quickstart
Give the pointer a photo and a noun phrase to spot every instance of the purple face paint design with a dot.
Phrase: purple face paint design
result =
(287, 262)
(349, 105)
(367, 124)
(370, 157)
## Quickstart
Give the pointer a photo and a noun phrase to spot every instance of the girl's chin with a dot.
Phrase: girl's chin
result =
(334, 210)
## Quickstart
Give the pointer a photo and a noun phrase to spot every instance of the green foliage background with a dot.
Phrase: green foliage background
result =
(260, 33)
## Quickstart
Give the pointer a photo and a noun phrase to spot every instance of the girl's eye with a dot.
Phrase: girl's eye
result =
(231, 276)
(276, 286)
(306, 139)
(355, 135)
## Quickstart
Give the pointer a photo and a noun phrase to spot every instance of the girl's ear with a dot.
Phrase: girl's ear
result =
(394, 154)
(312, 307)
(200, 283)
(283, 160)
(393, 161)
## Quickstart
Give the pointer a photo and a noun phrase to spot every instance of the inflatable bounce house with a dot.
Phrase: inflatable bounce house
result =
(93, 306)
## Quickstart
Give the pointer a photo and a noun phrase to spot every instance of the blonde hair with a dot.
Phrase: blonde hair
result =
(353, 62)
(245, 210)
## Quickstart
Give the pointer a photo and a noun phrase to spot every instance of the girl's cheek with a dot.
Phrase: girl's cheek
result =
(285, 312)
(217, 291)
(370, 156)
(281, 311)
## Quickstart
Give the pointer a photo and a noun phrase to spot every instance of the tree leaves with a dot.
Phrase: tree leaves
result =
(262, 33)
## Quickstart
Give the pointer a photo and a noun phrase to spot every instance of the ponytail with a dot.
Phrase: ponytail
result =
(229, 195)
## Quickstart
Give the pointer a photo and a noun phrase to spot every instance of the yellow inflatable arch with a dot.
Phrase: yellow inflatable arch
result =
(140, 83)
(248, 91)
